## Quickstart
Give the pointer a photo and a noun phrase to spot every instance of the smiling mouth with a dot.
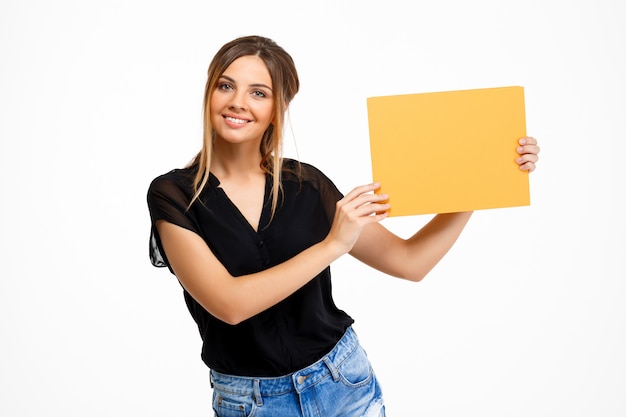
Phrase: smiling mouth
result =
(236, 120)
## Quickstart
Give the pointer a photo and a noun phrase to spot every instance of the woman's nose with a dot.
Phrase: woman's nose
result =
(238, 101)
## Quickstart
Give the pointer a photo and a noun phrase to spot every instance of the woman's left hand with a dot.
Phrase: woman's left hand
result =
(529, 154)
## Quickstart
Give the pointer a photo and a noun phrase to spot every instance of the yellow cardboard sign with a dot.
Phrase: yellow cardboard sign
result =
(449, 151)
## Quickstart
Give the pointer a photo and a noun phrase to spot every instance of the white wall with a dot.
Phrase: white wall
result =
(525, 316)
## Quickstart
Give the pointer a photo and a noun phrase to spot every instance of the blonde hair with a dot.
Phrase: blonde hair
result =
(285, 85)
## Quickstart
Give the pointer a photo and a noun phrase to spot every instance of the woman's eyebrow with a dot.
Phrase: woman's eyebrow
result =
(262, 86)
(227, 78)
(251, 85)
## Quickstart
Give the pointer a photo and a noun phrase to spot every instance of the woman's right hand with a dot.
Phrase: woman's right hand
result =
(354, 211)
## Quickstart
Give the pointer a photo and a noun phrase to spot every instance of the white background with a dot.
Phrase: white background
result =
(524, 317)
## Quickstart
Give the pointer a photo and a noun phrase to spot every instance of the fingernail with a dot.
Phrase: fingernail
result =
(520, 149)
(522, 141)
(518, 160)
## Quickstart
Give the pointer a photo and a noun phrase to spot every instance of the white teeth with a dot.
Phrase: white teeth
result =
(238, 121)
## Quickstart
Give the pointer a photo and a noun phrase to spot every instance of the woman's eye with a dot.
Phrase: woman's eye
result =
(258, 93)
(224, 86)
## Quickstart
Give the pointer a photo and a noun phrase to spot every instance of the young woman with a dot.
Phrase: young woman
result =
(250, 236)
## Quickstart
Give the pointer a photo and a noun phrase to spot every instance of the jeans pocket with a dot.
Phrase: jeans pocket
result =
(356, 370)
(232, 405)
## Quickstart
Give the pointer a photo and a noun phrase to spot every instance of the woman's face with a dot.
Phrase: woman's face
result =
(242, 104)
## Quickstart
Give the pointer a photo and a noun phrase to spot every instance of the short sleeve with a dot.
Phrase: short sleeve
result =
(168, 200)
(329, 193)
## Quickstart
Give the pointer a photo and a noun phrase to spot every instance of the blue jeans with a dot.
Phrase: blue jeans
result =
(342, 383)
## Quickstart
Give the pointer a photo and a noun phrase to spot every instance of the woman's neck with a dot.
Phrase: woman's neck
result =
(241, 160)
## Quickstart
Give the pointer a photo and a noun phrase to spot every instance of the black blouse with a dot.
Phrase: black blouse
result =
(293, 333)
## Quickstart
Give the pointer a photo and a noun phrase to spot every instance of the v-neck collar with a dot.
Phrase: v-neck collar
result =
(265, 210)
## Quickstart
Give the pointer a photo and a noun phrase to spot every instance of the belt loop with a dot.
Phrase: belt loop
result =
(333, 371)
(257, 392)
(211, 379)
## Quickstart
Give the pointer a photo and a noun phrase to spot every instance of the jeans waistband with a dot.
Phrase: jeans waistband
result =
(298, 381)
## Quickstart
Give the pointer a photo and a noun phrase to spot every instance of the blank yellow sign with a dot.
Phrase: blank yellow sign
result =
(449, 151)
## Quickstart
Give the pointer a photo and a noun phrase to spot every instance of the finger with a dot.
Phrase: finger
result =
(527, 166)
(528, 140)
(362, 189)
(528, 149)
(362, 195)
(371, 209)
(364, 206)
(369, 199)
(529, 157)
(528, 145)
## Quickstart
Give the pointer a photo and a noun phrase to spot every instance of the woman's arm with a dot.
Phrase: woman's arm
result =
(414, 257)
(233, 300)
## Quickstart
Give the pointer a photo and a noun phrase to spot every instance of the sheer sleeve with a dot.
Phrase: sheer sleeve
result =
(168, 200)
(329, 193)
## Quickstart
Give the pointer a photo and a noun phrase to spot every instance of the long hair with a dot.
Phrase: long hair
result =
(285, 84)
